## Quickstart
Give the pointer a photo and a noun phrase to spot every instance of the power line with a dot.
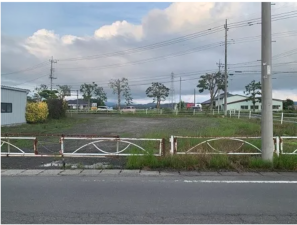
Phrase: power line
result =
(40, 65)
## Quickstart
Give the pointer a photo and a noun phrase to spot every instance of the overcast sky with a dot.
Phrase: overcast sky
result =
(157, 39)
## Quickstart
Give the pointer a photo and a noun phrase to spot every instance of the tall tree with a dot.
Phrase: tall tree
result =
(181, 105)
(48, 94)
(100, 95)
(37, 90)
(253, 91)
(121, 87)
(88, 91)
(158, 92)
(64, 90)
(211, 82)
(288, 104)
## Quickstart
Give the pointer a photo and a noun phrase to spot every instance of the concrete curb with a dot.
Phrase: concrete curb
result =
(123, 173)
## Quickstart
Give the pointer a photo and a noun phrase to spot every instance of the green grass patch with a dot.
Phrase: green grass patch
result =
(51, 126)
(212, 162)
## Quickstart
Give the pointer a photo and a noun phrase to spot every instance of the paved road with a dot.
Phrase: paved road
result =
(151, 198)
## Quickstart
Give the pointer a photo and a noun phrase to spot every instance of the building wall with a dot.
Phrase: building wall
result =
(19, 101)
(249, 104)
(229, 99)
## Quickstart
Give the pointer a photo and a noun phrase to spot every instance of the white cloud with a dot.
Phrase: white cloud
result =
(158, 25)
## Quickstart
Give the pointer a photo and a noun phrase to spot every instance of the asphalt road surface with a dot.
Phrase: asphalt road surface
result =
(149, 199)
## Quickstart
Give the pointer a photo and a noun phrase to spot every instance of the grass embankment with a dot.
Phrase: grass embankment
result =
(225, 127)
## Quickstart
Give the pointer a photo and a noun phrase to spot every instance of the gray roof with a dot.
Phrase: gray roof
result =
(221, 97)
(14, 89)
(80, 102)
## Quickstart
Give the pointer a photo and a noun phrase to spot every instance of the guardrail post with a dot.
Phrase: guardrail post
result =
(277, 146)
(62, 145)
(213, 112)
(163, 149)
(230, 113)
(161, 111)
(35, 147)
(176, 111)
(250, 114)
(118, 146)
(281, 145)
(171, 145)
(194, 112)
(282, 118)
(8, 146)
(145, 111)
(238, 114)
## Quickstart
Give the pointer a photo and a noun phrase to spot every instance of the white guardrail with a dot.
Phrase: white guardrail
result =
(208, 148)
(280, 117)
(80, 146)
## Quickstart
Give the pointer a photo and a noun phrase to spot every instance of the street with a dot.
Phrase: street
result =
(132, 198)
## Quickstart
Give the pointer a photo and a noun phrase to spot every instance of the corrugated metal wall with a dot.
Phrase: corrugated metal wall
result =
(19, 101)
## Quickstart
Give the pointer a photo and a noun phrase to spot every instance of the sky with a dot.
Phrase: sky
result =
(145, 42)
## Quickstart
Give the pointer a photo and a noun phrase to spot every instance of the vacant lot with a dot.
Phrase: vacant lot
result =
(132, 127)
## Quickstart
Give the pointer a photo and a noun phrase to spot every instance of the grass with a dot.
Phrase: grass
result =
(51, 126)
(213, 162)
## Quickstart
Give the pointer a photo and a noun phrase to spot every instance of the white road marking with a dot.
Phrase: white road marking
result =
(242, 181)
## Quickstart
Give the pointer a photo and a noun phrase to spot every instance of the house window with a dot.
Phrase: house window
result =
(256, 107)
(275, 106)
(6, 107)
(244, 107)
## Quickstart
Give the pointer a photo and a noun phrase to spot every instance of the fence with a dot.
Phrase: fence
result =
(80, 146)
(93, 146)
(220, 145)
(291, 146)
(281, 117)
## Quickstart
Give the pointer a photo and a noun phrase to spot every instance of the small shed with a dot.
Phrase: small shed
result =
(13, 105)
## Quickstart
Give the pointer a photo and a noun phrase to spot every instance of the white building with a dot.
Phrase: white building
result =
(13, 105)
(240, 102)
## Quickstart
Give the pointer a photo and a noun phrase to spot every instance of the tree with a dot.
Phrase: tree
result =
(64, 90)
(158, 92)
(101, 96)
(121, 86)
(37, 90)
(212, 82)
(181, 105)
(288, 104)
(253, 91)
(48, 94)
(88, 91)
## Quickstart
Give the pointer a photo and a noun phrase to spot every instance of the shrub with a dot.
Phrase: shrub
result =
(57, 108)
(36, 112)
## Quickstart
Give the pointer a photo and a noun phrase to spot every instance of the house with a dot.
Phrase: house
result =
(72, 104)
(240, 102)
(13, 105)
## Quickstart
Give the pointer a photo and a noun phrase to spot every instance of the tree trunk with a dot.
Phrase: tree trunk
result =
(89, 100)
(119, 100)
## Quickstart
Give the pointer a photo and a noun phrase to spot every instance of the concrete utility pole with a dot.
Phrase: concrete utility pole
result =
(219, 65)
(52, 71)
(266, 115)
(77, 101)
(172, 90)
(226, 75)
(179, 93)
(194, 97)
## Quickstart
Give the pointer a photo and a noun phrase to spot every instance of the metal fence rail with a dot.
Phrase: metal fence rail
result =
(291, 146)
(79, 146)
(190, 146)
